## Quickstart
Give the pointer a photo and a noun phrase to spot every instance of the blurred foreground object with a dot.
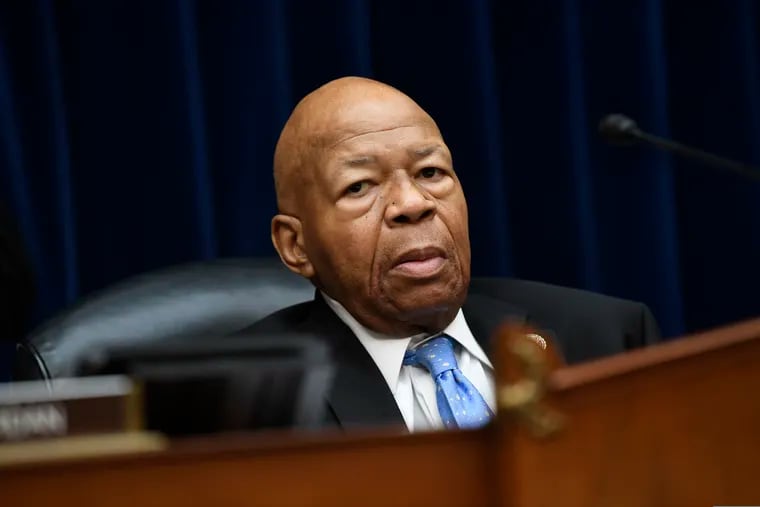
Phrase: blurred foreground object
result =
(65, 407)
(218, 384)
(72, 418)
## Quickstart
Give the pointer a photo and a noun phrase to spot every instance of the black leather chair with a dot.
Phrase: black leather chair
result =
(211, 298)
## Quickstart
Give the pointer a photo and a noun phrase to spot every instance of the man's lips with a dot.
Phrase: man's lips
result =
(420, 262)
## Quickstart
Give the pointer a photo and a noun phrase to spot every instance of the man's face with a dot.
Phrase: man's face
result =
(386, 230)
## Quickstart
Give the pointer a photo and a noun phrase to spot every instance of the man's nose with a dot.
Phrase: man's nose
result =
(408, 204)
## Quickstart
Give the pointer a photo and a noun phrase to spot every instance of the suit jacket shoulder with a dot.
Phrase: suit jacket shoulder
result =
(585, 324)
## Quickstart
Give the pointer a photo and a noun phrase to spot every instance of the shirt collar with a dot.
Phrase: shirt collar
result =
(388, 351)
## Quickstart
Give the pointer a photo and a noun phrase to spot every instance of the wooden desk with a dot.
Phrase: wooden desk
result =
(677, 424)
(265, 470)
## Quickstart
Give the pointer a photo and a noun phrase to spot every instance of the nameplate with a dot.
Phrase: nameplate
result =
(70, 406)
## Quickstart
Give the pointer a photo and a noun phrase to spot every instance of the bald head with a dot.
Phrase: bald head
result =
(371, 210)
(335, 112)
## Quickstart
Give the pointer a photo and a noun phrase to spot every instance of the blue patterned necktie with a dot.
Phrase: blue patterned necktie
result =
(459, 403)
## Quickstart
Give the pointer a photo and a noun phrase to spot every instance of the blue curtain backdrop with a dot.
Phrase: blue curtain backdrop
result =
(139, 134)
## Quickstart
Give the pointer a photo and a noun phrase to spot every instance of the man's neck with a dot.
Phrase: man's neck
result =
(425, 323)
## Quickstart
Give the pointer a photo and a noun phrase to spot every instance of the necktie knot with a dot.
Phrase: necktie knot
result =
(436, 356)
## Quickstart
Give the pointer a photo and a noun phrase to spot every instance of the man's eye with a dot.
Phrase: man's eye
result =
(430, 172)
(356, 188)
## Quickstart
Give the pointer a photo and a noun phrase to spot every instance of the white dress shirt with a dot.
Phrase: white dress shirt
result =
(412, 386)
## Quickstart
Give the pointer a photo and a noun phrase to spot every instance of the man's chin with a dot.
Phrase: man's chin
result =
(427, 305)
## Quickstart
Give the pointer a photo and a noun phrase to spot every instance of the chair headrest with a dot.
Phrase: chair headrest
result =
(215, 297)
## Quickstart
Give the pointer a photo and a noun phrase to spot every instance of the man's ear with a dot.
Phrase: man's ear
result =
(287, 238)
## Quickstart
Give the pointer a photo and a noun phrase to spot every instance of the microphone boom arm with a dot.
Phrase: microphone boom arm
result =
(702, 156)
(621, 130)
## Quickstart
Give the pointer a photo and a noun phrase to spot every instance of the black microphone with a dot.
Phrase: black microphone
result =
(620, 130)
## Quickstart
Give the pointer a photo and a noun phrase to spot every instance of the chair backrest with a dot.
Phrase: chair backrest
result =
(208, 298)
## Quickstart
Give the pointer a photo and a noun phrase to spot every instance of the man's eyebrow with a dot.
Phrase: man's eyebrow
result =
(425, 151)
(359, 161)
(416, 153)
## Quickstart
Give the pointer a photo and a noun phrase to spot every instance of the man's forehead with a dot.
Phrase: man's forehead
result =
(360, 150)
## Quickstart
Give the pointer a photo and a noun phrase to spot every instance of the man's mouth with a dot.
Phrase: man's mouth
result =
(420, 262)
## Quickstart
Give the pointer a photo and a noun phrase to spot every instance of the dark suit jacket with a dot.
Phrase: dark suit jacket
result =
(584, 325)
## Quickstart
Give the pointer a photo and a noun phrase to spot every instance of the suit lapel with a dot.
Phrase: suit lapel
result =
(359, 395)
(485, 314)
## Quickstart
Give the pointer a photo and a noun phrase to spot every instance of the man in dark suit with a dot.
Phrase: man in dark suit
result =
(372, 212)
